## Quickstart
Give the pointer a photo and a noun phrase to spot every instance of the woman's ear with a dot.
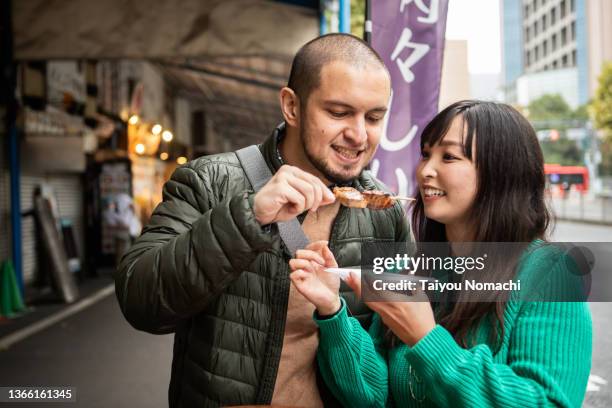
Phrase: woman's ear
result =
(290, 107)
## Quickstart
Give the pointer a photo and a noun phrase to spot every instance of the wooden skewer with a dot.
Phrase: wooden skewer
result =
(402, 198)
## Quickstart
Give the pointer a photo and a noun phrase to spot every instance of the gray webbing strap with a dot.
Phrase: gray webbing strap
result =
(258, 173)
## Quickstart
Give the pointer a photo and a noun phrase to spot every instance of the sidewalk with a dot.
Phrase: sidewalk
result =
(577, 207)
(108, 362)
(48, 304)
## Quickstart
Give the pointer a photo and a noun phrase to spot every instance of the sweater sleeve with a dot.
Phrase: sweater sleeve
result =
(352, 361)
(548, 362)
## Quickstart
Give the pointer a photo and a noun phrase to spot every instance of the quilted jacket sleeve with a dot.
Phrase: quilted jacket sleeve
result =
(193, 248)
(402, 225)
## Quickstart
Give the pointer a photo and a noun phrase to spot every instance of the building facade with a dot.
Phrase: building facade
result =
(599, 29)
(548, 48)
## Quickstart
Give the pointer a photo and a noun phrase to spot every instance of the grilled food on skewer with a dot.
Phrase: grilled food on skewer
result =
(373, 199)
(349, 197)
(378, 200)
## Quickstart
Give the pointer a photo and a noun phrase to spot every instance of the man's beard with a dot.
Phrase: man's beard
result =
(321, 164)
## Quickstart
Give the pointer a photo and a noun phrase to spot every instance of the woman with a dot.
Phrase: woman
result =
(481, 179)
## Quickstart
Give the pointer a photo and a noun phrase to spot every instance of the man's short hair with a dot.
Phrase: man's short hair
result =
(307, 64)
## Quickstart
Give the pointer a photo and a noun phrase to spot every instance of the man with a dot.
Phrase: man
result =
(211, 266)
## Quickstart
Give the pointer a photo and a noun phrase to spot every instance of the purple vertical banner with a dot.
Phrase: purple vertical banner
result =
(409, 36)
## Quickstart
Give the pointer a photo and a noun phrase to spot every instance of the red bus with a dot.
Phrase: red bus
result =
(567, 176)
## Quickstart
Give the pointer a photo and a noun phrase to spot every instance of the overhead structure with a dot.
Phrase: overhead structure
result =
(230, 57)
(92, 29)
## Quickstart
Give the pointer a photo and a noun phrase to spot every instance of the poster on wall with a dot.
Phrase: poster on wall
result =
(115, 187)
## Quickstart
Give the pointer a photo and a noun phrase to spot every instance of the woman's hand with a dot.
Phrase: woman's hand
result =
(410, 318)
(310, 279)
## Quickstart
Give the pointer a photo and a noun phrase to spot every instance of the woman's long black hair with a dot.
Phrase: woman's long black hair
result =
(510, 204)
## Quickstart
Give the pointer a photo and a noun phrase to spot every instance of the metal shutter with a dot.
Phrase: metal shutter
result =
(28, 231)
(68, 191)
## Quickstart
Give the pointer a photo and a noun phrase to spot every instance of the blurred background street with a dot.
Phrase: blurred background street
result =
(102, 102)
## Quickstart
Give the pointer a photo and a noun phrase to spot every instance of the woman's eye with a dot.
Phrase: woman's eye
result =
(424, 154)
(448, 156)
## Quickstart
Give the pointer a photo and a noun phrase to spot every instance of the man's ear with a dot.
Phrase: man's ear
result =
(290, 106)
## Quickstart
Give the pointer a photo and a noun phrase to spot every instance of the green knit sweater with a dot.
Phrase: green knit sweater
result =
(544, 359)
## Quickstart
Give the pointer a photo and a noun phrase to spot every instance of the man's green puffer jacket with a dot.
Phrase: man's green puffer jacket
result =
(205, 269)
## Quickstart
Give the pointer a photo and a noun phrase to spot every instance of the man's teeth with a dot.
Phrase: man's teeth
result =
(434, 192)
(351, 154)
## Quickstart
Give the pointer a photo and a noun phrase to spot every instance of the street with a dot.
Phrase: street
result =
(111, 364)
(99, 353)
(599, 391)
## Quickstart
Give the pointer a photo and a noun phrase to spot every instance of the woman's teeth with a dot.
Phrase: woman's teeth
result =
(349, 154)
(429, 192)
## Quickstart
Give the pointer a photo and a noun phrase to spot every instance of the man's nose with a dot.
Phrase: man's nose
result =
(357, 132)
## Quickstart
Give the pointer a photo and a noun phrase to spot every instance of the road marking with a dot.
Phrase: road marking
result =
(595, 383)
(8, 341)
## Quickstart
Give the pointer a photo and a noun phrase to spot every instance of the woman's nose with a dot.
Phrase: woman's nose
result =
(428, 169)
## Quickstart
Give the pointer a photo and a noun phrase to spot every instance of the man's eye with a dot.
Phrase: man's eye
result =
(338, 114)
(374, 119)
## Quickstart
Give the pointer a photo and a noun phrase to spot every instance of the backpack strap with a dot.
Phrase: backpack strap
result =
(258, 173)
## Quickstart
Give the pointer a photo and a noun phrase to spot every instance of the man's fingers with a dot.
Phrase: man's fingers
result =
(318, 196)
(327, 197)
(294, 199)
(306, 189)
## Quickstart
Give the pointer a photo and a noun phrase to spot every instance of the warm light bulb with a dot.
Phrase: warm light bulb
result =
(163, 156)
(167, 136)
(140, 148)
(181, 160)
(134, 119)
(156, 130)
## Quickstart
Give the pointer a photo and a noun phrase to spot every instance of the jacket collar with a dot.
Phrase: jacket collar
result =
(269, 148)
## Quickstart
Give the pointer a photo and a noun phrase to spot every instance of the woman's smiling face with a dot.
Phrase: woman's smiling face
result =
(448, 180)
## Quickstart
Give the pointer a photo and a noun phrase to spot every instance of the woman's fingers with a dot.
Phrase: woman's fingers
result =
(317, 246)
(330, 260)
(303, 264)
(354, 283)
(322, 248)
(310, 255)
(299, 276)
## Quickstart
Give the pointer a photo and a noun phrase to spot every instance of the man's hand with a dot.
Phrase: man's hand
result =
(290, 192)
(319, 287)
